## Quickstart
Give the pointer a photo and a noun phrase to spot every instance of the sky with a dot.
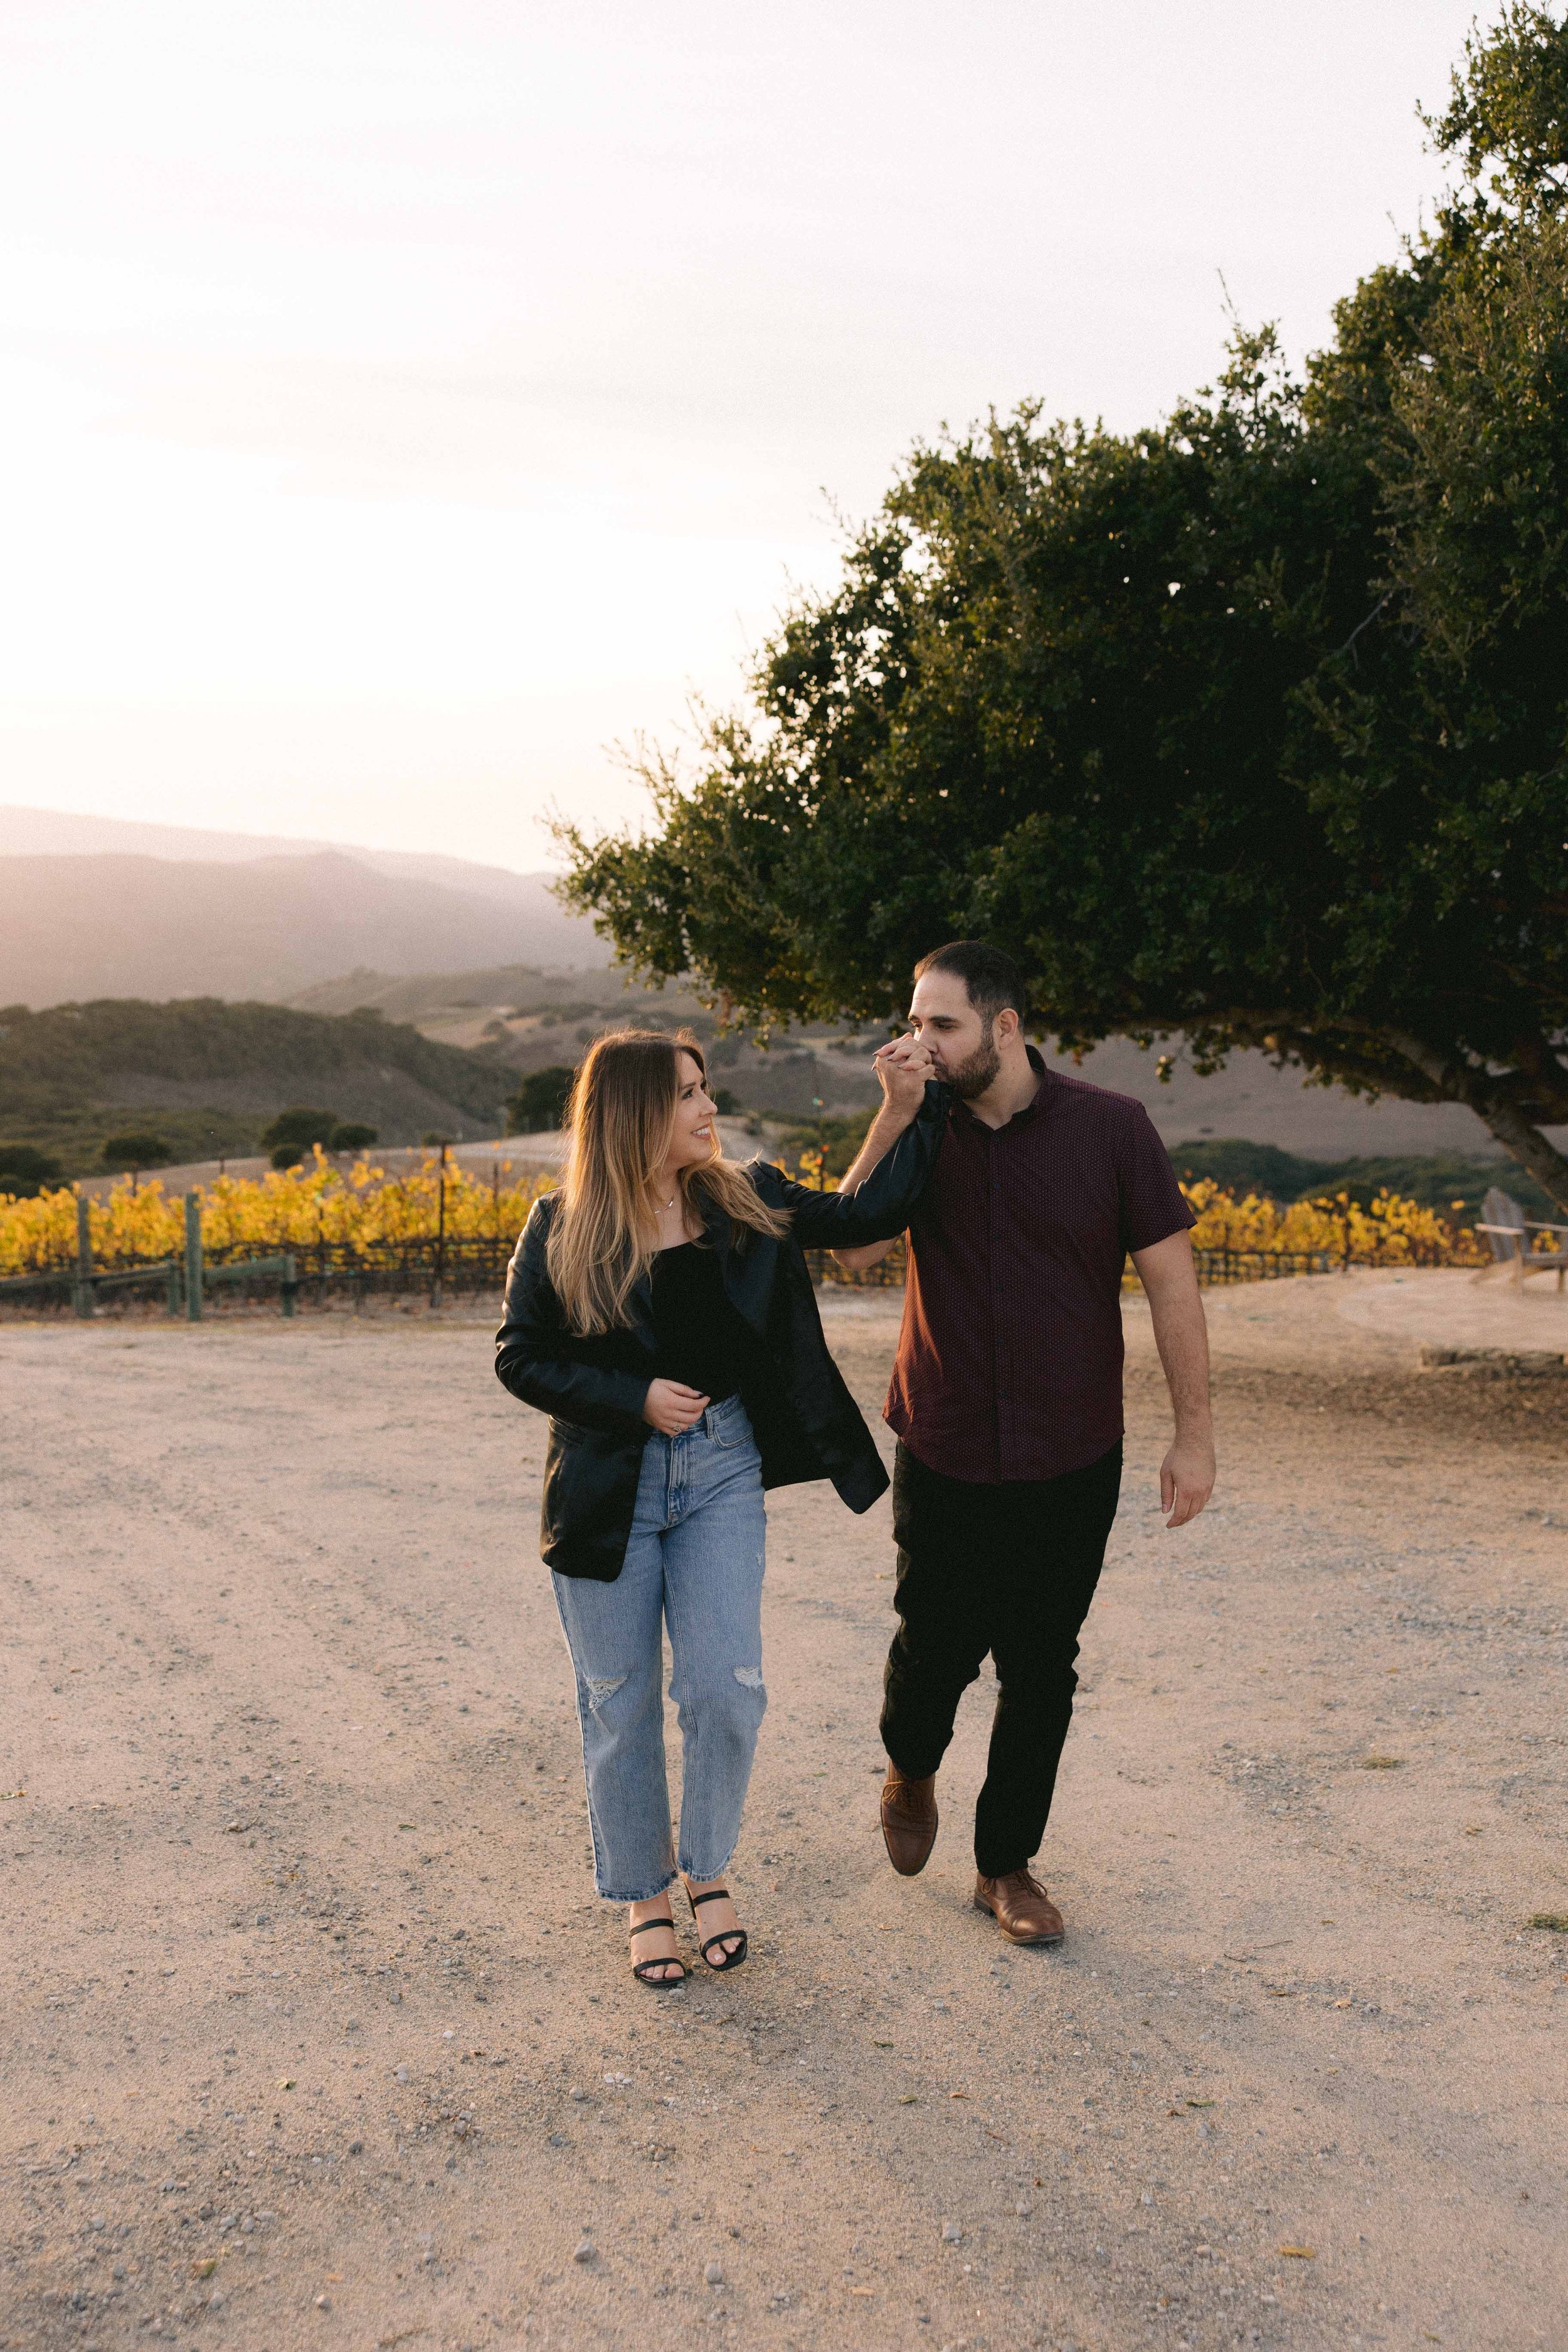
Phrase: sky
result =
(402, 406)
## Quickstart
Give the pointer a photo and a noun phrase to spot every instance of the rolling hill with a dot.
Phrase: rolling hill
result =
(207, 1076)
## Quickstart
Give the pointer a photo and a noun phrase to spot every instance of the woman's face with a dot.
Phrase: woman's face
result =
(694, 1112)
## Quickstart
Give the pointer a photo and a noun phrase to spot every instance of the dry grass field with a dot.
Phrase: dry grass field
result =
(315, 2034)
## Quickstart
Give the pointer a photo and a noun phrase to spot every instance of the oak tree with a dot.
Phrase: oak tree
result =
(1248, 729)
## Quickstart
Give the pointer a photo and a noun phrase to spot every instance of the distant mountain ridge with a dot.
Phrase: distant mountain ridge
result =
(127, 921)
(56, 833)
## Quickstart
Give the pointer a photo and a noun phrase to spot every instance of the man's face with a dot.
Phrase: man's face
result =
(960, 1042)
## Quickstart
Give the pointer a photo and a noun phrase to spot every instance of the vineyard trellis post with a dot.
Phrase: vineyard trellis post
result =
(440, 1230)
(83, 1299)
(193, 1257)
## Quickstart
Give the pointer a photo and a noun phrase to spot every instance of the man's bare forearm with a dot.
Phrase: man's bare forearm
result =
(1181, 1334)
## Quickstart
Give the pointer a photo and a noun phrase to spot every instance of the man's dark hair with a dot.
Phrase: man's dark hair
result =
(993, 980)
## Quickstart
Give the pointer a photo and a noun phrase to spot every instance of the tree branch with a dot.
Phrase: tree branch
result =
(1495, 1102)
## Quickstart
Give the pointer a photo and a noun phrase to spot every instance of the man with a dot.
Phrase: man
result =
(1007, 1399)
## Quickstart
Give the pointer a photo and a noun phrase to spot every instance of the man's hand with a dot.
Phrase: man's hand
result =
(671, 1408)
(902, 1067)
(1186, 1478)
(1169, 1275)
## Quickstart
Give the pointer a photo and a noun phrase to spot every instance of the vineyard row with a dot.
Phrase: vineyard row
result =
(364, 1232)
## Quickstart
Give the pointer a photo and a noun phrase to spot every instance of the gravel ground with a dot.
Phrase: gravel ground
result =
(317, 2035)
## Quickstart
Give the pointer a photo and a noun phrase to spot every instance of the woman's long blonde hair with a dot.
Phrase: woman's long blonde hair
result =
(621, 1117)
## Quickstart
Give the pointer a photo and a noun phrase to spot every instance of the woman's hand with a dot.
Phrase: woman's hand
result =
(671, 1407)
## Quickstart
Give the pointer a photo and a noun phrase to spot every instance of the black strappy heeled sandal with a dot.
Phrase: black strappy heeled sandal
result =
(641, 1968)
(729, 1959)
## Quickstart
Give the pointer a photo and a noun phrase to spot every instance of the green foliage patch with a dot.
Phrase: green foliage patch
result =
(539, 1102)
(25, 1171)
(137, 1148)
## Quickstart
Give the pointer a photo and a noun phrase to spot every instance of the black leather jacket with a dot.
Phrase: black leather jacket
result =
(806, 1423)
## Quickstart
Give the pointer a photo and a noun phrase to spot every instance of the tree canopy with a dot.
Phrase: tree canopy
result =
(539, 1102)
(1247, 728)
(25, 1171)
(135, 1149)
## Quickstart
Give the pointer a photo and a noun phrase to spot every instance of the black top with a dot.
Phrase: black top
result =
(594, 1386)
(702, 1339)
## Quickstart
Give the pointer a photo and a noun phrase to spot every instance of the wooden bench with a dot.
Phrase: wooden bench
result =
(1508, 1229)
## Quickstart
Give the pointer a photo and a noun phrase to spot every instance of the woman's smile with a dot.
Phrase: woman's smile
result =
(693, 1139)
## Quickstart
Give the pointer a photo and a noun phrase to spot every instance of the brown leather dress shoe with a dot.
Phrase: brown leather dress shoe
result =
(909, 1819)
(1021, 1908)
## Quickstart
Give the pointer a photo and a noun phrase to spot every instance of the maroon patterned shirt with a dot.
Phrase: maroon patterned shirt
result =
(1009, 1361)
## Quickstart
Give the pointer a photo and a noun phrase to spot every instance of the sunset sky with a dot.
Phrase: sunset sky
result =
(398, 403)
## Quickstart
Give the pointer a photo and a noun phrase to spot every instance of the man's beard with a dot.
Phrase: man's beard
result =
(971, 1077)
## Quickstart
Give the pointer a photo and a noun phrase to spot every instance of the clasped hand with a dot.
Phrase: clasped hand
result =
(902, 1067)
(671, 1407)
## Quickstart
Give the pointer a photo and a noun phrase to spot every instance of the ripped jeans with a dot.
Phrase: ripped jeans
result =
(694, 1561)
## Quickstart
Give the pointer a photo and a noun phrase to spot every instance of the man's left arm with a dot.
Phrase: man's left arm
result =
(1169, 1279)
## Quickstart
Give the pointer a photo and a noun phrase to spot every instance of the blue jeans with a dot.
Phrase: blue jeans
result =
(694, 1561)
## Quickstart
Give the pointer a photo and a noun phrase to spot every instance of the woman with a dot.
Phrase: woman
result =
(660, 1309)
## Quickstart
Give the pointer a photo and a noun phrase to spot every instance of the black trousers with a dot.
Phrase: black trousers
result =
(1010, 1570)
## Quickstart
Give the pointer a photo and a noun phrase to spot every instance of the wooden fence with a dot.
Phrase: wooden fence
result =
(185, 1280)
(1215, 1266)
(443, 1266)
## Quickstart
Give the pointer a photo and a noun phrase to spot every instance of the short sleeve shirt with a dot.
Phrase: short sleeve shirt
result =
(1010, 1356)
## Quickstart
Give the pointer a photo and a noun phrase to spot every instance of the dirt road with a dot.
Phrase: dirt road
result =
(316, 2035)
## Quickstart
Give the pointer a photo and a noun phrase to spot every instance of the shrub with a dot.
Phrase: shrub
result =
(292, 1132)
(540, 1101)
(136, 1151)
(25, 1172)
